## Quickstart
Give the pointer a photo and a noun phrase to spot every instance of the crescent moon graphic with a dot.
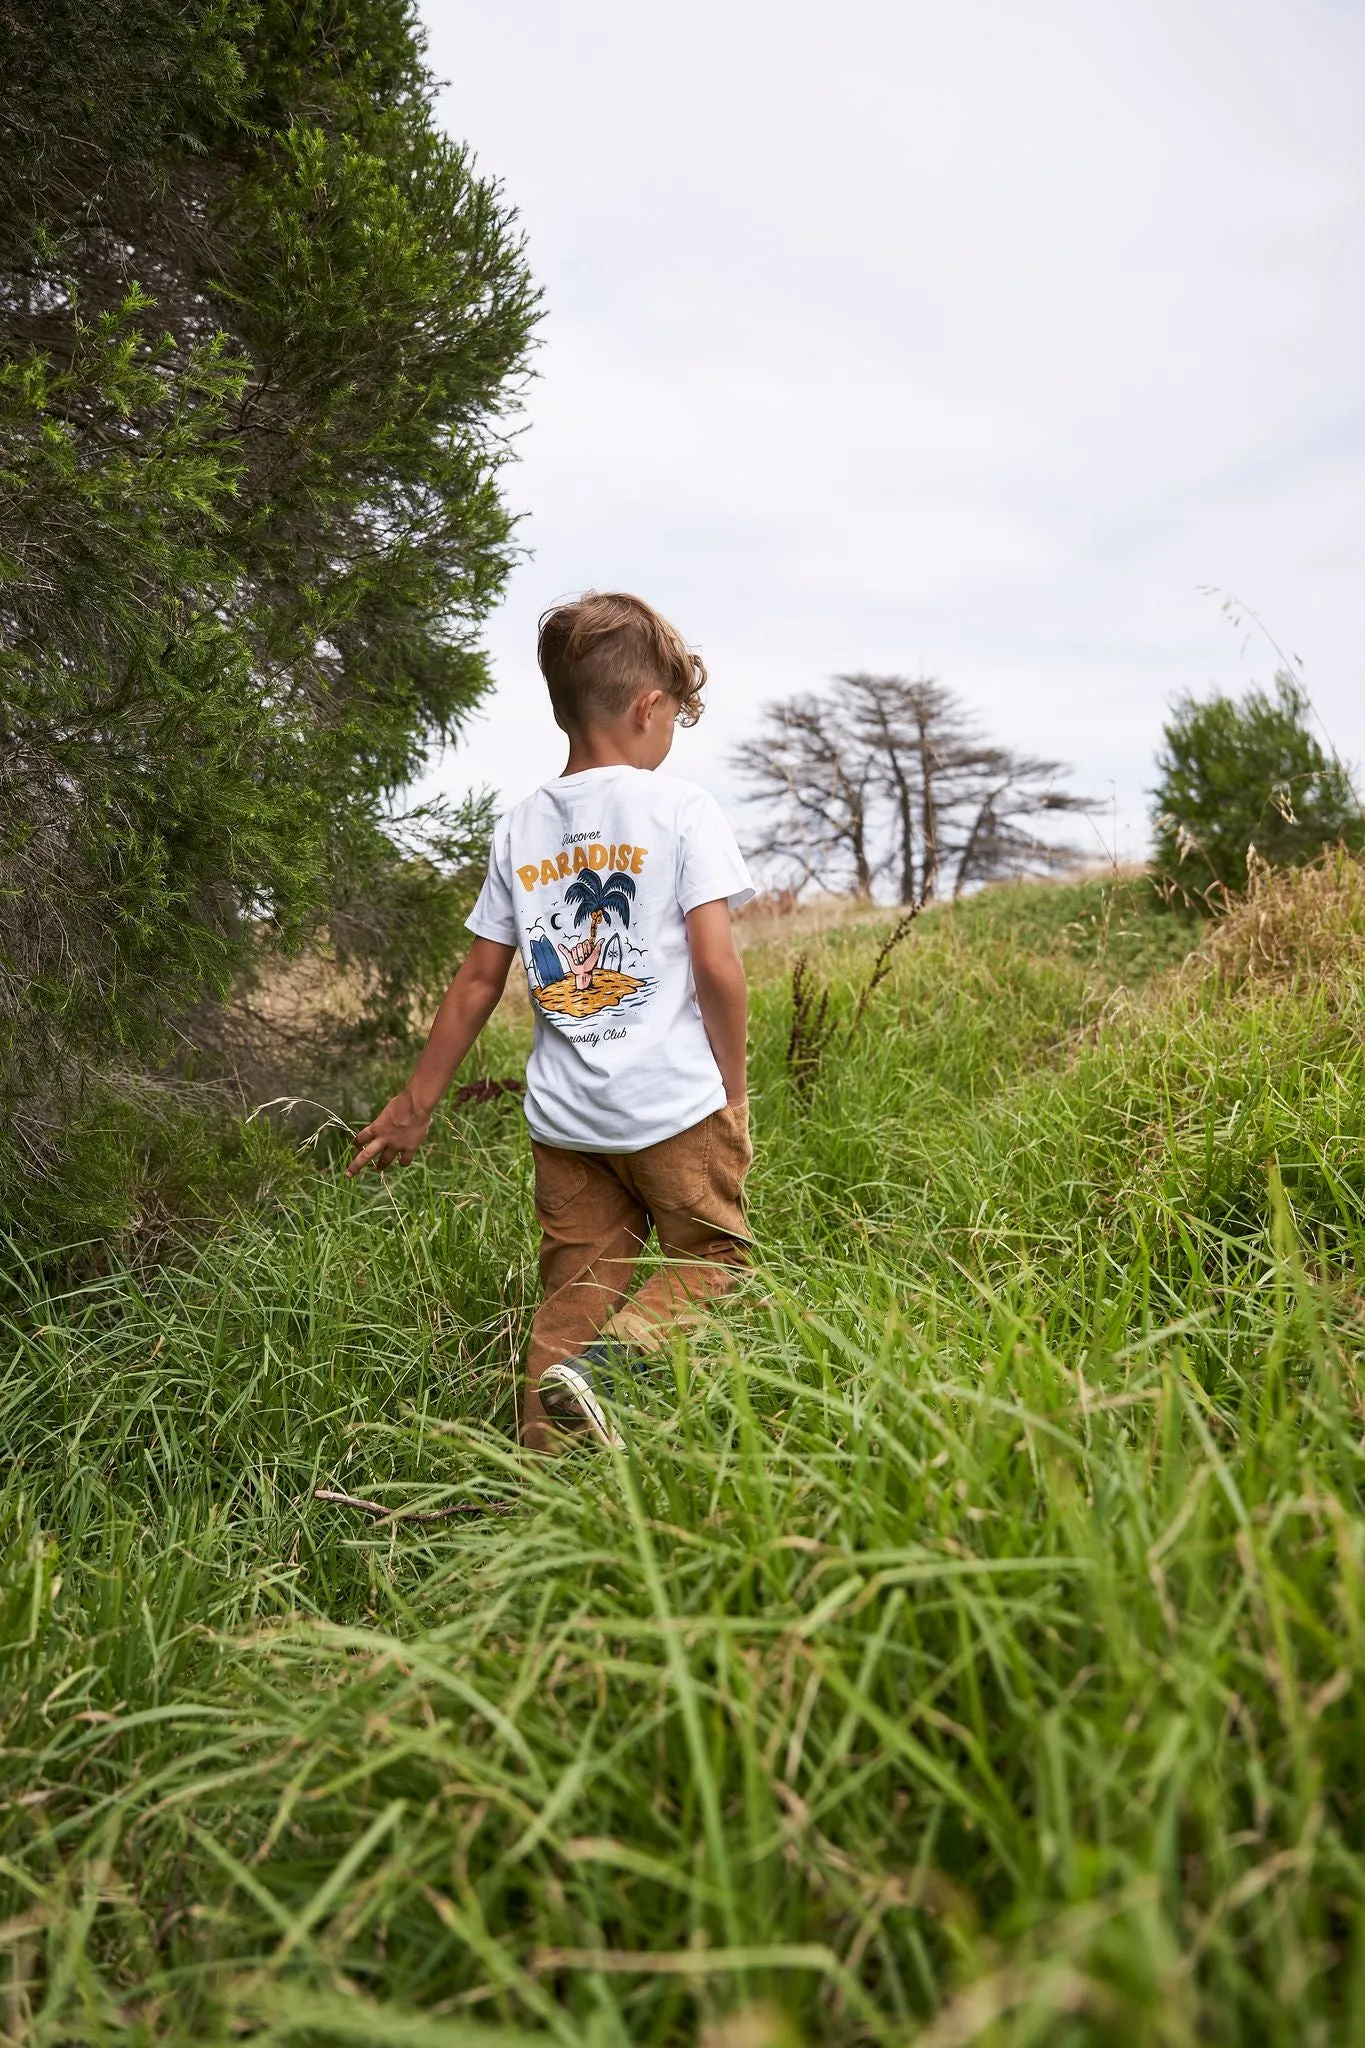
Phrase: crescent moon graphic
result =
(555, 925)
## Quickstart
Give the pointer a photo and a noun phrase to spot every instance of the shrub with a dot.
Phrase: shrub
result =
(1240, 775)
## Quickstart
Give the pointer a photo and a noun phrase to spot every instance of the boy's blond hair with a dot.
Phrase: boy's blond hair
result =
(598, 653)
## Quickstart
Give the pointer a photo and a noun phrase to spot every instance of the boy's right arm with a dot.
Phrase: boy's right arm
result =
(466, 1007)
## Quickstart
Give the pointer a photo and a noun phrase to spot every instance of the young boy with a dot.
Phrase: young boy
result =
(616, 884)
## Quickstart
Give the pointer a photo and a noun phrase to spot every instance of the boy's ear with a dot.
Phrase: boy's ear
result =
(642, 710)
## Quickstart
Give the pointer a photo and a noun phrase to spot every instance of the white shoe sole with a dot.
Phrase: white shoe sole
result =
(582, 1400)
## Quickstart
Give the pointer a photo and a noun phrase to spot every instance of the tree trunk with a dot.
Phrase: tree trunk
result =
(862, 867)
(928, 807)
(873, 698)
(980, 825)
(907, 826)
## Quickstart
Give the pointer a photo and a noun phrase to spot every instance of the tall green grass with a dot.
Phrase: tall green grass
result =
(965, 1649)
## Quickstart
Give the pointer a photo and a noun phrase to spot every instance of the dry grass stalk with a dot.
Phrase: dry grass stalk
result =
(1293, 925)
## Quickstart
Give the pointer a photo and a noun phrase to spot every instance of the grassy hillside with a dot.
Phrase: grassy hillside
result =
(966, 1650)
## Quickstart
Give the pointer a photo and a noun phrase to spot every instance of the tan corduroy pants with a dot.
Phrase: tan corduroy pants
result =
(596, 1210)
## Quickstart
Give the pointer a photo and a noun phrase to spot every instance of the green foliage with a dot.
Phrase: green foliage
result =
(965, 1650)
(1240, 775)
(262, 326)
(404, 928)
(93, 101)
(161, 1170)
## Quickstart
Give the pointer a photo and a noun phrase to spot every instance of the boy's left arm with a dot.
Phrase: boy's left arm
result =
(722, 992)
(402, 1125)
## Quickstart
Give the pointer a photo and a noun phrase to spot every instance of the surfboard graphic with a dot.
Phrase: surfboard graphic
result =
(546, 965)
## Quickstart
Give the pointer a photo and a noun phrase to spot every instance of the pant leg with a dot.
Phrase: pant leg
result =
(693, 1188)
(593, 1227)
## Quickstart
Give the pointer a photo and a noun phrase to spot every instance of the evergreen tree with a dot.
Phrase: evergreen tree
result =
(262, 326)
(1237, 775)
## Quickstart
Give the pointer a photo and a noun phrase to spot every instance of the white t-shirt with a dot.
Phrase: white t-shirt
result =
(592, 877)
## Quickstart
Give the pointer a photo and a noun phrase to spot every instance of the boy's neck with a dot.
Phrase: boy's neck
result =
(599, 746)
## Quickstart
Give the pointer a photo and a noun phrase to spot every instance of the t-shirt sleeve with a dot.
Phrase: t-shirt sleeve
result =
(710, 864)
(492, 916)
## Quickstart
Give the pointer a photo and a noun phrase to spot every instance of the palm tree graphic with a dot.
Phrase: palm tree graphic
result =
(592, 900)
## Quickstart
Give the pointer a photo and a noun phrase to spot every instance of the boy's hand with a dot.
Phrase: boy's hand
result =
(395, 1133)
(466, 1007)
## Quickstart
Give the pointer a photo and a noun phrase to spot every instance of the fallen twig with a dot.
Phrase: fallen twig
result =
(401, 1514)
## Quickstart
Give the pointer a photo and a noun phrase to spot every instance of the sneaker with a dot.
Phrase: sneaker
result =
(576, 1392)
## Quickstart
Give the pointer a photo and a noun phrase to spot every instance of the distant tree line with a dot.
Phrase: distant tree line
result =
(884, 784)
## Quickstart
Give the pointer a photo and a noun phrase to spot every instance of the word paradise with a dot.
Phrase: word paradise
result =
(559, 867)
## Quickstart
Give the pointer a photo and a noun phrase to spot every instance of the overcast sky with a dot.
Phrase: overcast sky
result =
(968, 340)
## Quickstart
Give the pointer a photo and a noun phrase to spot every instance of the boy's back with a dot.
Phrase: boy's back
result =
(591, 878)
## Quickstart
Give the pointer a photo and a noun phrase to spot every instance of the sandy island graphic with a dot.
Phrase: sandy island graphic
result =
(606, 989)
(593, 983)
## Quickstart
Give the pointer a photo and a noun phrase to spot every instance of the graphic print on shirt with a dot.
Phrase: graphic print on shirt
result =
(581, 946)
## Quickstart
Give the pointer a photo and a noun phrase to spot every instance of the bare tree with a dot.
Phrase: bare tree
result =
(889, 775)
(879, 708)
(817, 788)
(926, 759)
(997, 842)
